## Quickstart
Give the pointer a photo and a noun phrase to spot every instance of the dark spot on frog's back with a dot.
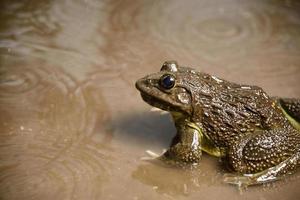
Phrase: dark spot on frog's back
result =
(250, 109)
(230, 113)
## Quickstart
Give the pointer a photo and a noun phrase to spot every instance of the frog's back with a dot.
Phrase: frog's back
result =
(234, 110)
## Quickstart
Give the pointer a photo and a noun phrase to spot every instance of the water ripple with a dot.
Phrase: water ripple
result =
(27, 16)
(58, 142)
(212, 30)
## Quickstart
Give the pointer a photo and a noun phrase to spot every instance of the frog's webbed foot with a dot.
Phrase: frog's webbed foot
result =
(165, 158)
(240, 180)
(243, 180)
(157, 158)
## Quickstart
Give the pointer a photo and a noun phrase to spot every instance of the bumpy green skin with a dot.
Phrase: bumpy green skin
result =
(257, 136)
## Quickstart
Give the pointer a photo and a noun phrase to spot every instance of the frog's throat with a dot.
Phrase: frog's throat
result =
(206, 144)
(293, 121)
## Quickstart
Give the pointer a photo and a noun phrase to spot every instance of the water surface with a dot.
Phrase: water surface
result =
(72, 124)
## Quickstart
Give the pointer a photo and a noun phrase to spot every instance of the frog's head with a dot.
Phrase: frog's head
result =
(170, 89)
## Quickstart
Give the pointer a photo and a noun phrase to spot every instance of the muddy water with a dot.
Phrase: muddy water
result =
(72, 125)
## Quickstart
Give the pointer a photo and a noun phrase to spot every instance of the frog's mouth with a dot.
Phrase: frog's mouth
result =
(158, 103)
(161, 104)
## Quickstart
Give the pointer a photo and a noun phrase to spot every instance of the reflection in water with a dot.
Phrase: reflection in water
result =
(176, 181)
(51, 134)
(72, 125)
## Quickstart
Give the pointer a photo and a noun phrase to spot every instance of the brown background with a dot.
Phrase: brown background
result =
(72, 124)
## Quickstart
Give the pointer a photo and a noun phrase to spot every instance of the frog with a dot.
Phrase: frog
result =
(256, 136)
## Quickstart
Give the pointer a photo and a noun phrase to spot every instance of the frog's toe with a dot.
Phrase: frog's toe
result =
(152, 155)
(239, 180)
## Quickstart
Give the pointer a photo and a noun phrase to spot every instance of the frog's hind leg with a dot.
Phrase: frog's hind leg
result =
(264, 156)
(291, 107)
(268, 175)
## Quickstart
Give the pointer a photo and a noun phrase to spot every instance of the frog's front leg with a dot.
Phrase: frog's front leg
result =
(264, 156)
(186, 145)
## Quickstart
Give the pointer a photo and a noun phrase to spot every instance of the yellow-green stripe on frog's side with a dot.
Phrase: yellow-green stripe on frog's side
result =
(207, 144)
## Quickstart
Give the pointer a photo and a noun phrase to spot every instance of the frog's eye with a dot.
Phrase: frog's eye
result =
(167, 81)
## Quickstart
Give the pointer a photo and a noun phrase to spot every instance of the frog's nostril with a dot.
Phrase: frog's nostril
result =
(150, 82)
